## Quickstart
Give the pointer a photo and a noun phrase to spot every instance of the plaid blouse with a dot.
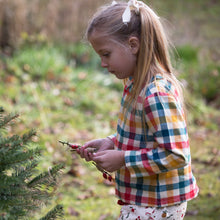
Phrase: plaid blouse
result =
(157, 169)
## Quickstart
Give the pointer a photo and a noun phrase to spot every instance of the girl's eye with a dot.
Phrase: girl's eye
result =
(106, 54)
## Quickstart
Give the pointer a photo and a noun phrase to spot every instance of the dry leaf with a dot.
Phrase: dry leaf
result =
(73, 212)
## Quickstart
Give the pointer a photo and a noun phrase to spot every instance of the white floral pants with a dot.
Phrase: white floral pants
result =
(133, 212)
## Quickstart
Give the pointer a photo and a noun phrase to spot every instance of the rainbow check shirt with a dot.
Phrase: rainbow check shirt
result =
(157, 169)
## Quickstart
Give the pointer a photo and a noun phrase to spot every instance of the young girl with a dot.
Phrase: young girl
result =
(150, 151)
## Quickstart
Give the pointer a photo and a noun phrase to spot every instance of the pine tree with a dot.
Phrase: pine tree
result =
(22, 189)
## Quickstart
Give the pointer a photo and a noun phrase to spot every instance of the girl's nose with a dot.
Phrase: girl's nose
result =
(104, 64)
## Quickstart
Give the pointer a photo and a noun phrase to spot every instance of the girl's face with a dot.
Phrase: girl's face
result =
(119, 58)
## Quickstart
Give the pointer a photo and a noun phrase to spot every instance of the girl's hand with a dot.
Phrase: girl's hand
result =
(109, 160)
(98, 144)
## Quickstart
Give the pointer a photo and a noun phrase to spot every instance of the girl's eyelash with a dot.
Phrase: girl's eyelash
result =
(105, 54)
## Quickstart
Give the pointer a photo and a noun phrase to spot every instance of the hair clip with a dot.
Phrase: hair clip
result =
(114, 3)
(135, 5)
(132, 4)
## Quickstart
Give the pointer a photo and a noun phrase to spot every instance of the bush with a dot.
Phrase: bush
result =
(202, 76)
(36, 62)
(21, 190)
(80, 55)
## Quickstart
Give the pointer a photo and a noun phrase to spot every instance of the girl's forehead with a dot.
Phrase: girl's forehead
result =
(103, 38)
(99, 40)
(99, 35)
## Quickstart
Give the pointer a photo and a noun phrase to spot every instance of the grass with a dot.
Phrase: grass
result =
(76, 102)
(201, 72)
(206, 163)
(39, 63)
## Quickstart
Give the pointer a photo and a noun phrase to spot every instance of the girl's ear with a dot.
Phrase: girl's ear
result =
(134, 44)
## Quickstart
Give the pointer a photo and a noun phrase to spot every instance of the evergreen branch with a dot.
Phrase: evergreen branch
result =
(27, 137)
(23, 198)
(19, 195)
(8, 181)
(5, 143)
(56, 212)
(17, 158)
(15, 140)
(6, 119)
(47, 178)
(26, 172)
(11, 143)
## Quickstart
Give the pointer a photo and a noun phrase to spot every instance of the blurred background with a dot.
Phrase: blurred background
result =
(51, 76)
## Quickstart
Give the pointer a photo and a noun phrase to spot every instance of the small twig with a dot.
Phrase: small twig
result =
(105, 174)
(73, 147)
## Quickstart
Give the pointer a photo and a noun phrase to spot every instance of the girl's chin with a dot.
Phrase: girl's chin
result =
(118, 75)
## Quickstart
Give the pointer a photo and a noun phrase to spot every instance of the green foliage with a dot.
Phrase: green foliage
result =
(56, 212)
(33, 62)
(42, 179)
(188, 54)
(33, 39)
(81, 54)
(5, 120)
(208, 83)
(201, 74)
(20, 192)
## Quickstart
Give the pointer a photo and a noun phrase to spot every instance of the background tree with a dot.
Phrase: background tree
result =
(22, 191)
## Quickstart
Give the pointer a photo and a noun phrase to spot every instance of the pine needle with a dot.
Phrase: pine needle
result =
(56, 212)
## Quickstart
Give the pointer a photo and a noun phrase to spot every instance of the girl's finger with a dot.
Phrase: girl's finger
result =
(90, 144)
(97, 158)
(99, 153)
(87, 155)
(82, 152)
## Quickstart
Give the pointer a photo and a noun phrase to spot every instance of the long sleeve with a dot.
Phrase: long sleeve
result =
(112, 137)
(165, 121)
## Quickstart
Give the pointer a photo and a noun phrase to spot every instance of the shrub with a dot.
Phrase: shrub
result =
(21, 190)
(202, 76)
(36, 62)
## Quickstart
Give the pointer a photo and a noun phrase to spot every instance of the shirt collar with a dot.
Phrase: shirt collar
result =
(129, 84)
(157, 76)
(130, 81)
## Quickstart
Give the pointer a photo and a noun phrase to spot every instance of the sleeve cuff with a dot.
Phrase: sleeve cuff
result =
(112, 137)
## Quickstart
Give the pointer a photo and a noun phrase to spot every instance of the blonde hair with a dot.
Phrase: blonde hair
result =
(153, 56)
